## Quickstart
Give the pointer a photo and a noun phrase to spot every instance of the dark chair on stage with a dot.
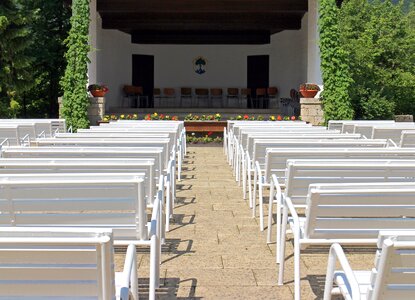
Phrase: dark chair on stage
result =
(261, 98)
(169, 97)
(245, 98)
(273, 101)
(216, 97)
(133, 96)
(186, 99)
(157, 97)
(202, 97)
(233, 98)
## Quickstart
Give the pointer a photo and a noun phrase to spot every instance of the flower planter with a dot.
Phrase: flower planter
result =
(98, 93)
(205, 126)
(308, 93)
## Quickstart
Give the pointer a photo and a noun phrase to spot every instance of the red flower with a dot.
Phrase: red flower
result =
(279, 118)
(210, 133)
(246, 117)
(293, 118)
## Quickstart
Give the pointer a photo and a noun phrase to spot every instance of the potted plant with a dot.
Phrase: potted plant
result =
(309, 90)
(98, 90)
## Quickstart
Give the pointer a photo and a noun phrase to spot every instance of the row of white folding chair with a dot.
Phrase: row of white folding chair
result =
(276, 163)
(75, 263)
(247, 141)
(43, 127)
(338, 124)
(178, 125)
(102, 153)
(179, 140)
(234, 140)
(180, 134)
(387, 131)
(16, 134)
(233, 127)
(255, 166)
(300, 173)
(350, 127)
(345, 213)
(407, 139)
(248, 138)
(106, 201)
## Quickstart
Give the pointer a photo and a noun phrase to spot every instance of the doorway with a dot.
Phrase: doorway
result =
(143, 75)
(258, 74)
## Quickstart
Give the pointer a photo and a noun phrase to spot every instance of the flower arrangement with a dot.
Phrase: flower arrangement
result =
(98, 90)
(191, 117)
(156, 116)
(309, 87)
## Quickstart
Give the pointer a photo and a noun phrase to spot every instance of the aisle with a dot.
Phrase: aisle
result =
(215, 249)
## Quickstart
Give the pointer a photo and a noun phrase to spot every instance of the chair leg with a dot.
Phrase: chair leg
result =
(271, 200)
(261, 204)
(244, 179)
(297, 277)
(281, 244)
(254, 193)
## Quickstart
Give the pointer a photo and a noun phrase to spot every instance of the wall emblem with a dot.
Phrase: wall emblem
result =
(199, 65)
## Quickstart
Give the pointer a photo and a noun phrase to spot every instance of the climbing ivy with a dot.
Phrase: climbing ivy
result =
(75, 80)
(334, 65)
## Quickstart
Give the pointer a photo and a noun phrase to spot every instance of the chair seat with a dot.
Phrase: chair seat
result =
(363, 279)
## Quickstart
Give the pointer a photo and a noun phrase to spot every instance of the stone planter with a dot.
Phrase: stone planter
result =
(312, 110)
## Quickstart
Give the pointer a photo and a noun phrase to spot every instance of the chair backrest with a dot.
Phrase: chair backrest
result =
(338, 124)
(393, 273)
(51, 263)
(260, 146)
(272, 91)
(248, 138)
(216, 92)
(115, 202)
(246, 92)
(163, 143)
(261, 91)
(270, 126)
(201, 92)
(233, 91)
(184, 91)
(85, 165)
(301, 173)
(276, 159)
(407, 139)
(92, 152)
(169, 92)
(392, 133)
(156, 92)
(132, 90)
(358, 211)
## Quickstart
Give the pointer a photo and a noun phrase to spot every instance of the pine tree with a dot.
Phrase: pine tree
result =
(15, 63)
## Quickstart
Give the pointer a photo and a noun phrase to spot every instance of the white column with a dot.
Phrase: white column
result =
(313, 51)
(92, 66)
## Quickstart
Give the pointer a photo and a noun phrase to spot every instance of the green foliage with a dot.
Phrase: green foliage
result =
(380, 40)
(74, 83)
(334, 65)
(49, 27)
(15, 63)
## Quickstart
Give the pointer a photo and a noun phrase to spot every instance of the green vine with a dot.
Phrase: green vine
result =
(75, 80)
(334, 65)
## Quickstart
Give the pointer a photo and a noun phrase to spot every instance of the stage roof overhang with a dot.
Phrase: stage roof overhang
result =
(201, 21)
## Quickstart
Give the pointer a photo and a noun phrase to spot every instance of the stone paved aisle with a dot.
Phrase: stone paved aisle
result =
(215, 249)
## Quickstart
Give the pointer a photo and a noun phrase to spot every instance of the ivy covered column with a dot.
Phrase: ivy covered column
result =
(74, 83)
(334, 65)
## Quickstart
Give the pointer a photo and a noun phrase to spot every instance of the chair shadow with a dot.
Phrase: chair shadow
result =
(179, 223)
(183, 201)
(169, 288)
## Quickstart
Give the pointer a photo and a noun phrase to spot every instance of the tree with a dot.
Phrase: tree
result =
(49, 27)
(380, 41)
(75, 80)
(334, 65)
(15, 63)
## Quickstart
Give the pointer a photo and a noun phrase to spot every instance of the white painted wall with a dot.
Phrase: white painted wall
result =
(92, 66)
(227, 64)
(313, 59)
